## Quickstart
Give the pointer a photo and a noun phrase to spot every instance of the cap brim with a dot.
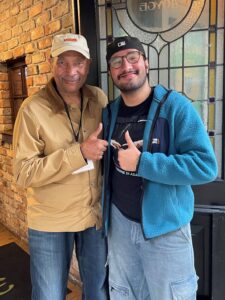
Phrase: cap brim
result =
(70, 48)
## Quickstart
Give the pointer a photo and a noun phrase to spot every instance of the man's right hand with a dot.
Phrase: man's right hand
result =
(93, 148)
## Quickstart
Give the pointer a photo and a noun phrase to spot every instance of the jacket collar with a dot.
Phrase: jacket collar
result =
(56, 101)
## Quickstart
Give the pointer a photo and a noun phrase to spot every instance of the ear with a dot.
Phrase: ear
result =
(87, 63)
(49, 58)
(146, 65)
(51, 62)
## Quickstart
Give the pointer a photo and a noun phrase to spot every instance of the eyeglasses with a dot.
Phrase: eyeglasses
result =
(132, 57)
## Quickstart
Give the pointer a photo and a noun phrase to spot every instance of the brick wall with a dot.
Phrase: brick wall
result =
(26, 29)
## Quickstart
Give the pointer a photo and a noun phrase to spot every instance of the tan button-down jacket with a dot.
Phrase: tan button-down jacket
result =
(46, 154)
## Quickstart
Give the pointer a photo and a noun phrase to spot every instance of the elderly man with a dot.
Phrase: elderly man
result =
(57, 158)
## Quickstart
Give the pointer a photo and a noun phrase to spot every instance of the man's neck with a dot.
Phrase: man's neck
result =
(136, 97)
(72, 99)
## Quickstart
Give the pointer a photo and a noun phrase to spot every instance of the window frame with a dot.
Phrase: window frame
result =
(13, 65)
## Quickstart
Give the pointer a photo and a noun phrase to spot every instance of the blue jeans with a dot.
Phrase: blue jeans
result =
(160, 268)
(50, 256)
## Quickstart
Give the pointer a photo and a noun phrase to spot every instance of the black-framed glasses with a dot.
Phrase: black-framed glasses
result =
(132, 57)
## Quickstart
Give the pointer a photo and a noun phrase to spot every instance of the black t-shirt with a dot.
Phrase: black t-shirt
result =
(127, 186)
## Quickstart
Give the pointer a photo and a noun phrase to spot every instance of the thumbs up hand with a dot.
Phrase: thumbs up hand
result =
(93, 148)
(96, 133)
(128, 159)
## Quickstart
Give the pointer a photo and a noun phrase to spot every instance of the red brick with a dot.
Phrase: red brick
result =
(4, 85)
(5, 119)
(28, 26)
(35, 10)
(28, 59)
(12, 22)
(15, 10)
(5, 127)
(3, 47)
(26, 4)
(45, 43)
(5, 111)
(30, 48)
(67, 21)
(3, 77)
(37, 33)
(4, 16)
(53, 27)
(9, 153)
(23, 17)
(5, 102)
(6, 55)
(32, 70)
(60, 10)
(18, 51)
(44, 68)
(25, 37)
(44, 18)
(29, 81)
(48, 4)
(32, 90)
(40, 79)
(6, 35)
(13, 43)
(38, 57)
(16, 31)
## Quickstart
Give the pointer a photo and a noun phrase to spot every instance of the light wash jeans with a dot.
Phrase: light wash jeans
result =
(160, 268)
(50, 256)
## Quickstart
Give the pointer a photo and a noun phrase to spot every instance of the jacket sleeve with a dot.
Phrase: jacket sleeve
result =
(32, 168)
(191, 159)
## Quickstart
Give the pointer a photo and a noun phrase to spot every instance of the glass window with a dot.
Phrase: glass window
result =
(184, 43)
(196, 83)
(196, 48)
(176, 50)
(176, 79)
(17, 81)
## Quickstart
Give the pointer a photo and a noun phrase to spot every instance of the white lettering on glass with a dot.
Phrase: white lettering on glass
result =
(153, 5)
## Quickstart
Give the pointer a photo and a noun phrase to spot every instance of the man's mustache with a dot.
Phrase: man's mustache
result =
(126, 73)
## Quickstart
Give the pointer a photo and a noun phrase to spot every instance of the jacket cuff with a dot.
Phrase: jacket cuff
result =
(75, 157)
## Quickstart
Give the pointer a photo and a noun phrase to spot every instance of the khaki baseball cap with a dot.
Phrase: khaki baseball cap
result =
(69, 41)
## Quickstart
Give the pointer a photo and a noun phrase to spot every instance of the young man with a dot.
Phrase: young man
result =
(57, 158)
(158, 149)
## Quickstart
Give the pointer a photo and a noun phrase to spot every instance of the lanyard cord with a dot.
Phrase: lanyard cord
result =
(76, 135)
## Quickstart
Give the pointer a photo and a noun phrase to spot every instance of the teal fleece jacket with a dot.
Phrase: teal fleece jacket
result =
(189, 159)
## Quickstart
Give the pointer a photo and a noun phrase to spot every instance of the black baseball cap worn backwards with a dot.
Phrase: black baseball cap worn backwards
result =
(122, 43)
